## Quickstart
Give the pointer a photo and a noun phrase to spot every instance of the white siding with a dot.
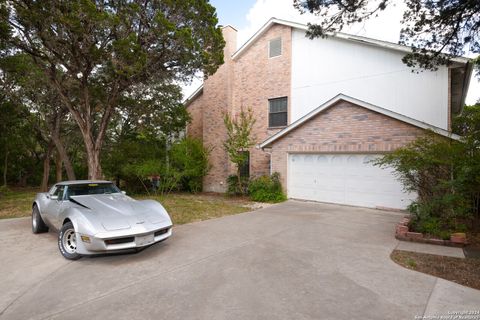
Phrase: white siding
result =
(323, 68)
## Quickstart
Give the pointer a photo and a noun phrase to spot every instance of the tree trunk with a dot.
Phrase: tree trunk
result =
(93, 160)
(22, 182)
(58, 167)
(240, 187)
(5, 163)
(61, 152)
(46, 168)
(66, 161)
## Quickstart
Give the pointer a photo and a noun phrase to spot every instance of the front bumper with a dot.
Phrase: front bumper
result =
(115, 242)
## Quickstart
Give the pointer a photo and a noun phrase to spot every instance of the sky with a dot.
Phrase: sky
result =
(248, 16)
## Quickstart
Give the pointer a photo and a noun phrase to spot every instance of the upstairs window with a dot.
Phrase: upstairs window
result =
(277, 112)
(275, 47)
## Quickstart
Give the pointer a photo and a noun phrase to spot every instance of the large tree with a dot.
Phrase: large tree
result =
(95, 53)
(435, 29)
(28, 87)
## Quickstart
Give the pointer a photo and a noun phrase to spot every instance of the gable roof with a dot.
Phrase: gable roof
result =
(460, 91)
(339, 35)
(360, 103)
(195, 94)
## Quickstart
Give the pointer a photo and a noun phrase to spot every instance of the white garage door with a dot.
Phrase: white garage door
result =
(346, 179)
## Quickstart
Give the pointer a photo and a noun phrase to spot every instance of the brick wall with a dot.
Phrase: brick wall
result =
(195, 127)
(343, 128)
(246, 82)
(217, 93)
(258, 78)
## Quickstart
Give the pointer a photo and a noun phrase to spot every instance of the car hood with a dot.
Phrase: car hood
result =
(117, 212)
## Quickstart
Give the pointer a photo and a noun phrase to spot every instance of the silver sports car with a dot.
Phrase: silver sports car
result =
(94, 217)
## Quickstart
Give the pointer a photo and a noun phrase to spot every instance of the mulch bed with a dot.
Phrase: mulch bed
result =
(462, 271)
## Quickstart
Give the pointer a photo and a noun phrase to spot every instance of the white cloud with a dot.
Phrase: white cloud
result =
(384, 27)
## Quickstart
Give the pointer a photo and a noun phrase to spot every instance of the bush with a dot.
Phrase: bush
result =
(190, 157)
(266, 189)
(184, 169)
(233, 189)
(445, 173)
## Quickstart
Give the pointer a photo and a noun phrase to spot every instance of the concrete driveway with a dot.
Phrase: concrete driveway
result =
(295, 260)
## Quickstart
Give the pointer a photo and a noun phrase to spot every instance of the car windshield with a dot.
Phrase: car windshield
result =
(91, 188)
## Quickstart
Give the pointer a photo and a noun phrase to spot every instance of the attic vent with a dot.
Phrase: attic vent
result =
(275, 47)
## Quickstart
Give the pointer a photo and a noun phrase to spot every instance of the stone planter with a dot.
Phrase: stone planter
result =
(403, 233)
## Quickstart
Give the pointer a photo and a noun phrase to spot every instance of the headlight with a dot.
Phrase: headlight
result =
(85, 238)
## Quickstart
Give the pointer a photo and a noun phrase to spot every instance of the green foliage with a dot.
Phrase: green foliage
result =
(190, 157)
(239, 139)
(95, 55)
(445, 173)
(411, 263)
(169, 176)
(182, 167)
(20, 153)
(266, 189)
(4, 191)
(237, 186)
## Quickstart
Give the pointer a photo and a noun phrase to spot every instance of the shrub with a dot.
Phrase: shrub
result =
(266, 189)
(190, 157)
(445, 173)
(233, 188)
(184, 169)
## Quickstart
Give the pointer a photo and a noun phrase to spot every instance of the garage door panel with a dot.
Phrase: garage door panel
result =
(346, 179)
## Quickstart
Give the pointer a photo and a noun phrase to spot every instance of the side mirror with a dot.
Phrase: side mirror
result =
(52, 197)
(124, 193)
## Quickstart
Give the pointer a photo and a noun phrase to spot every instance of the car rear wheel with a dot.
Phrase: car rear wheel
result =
(67, 242)
(38, 226)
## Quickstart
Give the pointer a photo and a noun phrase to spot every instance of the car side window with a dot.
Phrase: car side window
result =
(59, 192)
(52, 190)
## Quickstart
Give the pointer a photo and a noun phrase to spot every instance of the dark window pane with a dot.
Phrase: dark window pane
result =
(278, 112)
(278, 105)
(245, 168)
(275, 47)
(278, 119)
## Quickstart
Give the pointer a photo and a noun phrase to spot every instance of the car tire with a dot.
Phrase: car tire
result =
(38, 225)
(67, 242)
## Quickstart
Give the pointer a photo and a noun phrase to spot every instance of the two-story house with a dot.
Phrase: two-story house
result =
(324, 109)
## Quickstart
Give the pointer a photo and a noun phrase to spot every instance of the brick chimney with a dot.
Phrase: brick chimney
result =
(230, 37)
(218, 94)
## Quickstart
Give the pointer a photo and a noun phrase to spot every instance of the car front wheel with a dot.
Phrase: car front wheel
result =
(67, 242)
(38, 226)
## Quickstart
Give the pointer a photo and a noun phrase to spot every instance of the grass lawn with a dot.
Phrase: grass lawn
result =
(17, 203)
(462, 271)
(183, 208)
